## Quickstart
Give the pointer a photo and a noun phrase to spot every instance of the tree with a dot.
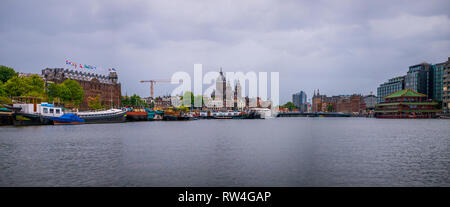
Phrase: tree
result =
(16, 86)
(330, 108)
(71, 92)
(289, 105)
(2, 90)
(94, 103)
(35, 86)
(53, 91)
(6, 73)
(188, 99)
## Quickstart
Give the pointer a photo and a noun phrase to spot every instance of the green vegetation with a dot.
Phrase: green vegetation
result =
(133, 100)
(69, 92)
(330, 108)
(6, 73)
(289, 105)
(94, 103)
(189, 97)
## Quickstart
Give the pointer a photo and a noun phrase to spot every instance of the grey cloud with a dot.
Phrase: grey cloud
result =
(340, 47)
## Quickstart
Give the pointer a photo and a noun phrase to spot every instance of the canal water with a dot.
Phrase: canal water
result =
(274, 152)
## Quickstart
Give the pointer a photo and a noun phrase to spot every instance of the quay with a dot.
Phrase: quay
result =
(313, 114)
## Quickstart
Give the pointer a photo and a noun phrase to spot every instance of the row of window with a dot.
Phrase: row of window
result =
(56, 111)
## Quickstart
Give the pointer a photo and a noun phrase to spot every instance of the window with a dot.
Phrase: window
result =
(45, 110)
(51, 111)
(57, 111)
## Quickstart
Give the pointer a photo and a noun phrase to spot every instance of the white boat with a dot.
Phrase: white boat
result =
(265, 113)
(106, 116)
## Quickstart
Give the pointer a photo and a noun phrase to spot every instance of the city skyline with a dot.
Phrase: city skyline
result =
(340, 48)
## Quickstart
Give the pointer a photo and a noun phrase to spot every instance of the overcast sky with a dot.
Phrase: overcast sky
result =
(339, 47)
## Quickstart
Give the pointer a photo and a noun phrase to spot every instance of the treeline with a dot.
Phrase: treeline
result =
(69, 93)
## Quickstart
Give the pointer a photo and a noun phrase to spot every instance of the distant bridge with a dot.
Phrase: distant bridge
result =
(313, 114)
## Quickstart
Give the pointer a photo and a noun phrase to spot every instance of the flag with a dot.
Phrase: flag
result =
(113, 69)
(81, 66)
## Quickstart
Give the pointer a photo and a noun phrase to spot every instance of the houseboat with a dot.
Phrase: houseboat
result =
(137, 115)
(67, 118)
(34, 112)
(106, 116)
(406, 104)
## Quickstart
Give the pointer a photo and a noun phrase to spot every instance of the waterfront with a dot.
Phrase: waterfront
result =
(274, 152)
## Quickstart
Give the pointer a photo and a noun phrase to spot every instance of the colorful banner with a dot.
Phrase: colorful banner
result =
(89, 67)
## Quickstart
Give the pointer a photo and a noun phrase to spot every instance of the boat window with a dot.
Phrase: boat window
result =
(51, 111)
(57, 111)
(45, 110)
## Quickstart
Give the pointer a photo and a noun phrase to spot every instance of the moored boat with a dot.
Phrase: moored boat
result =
(106, 116)
(32, 112)
(68, 118)
(137, 115)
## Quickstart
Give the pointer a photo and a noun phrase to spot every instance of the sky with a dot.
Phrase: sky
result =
(339, 47)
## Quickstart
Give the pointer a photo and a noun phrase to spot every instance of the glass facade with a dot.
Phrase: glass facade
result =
(299, 100)
(437, 72)
(393, 85)
(417, 79)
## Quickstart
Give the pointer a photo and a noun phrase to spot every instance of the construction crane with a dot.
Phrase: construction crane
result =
(153, 82)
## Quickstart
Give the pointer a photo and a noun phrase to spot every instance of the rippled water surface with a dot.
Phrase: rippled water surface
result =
(275, 152)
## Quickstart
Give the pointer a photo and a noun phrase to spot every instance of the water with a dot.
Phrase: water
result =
(276, 152)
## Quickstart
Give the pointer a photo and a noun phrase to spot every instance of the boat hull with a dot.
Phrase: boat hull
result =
(22, 119)
(110, 118)
(137, 116)
(66, 123)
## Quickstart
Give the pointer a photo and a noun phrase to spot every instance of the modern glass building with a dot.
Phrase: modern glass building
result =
(417, 79)
(446, 87)
(436, 75)
(299, 100)
(393, 85)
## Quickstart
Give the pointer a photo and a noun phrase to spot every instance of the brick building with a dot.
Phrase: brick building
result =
(93, 84)
(345, 104)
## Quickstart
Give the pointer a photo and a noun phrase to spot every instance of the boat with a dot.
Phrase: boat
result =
(5, 116)
(106, 116)
(137, 115)
(33, 113)
(68, 118)
(176, 115)
(153, 115)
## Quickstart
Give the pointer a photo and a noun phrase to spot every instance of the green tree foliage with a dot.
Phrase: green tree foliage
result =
(70, 92)
(6, 73)
(94, 103)
(330, 108)
(289, 105)
(17, 86)
(133, 100)
(188, 99)
(35, 85)
(53, 91)
(25, 86)
(2, 90)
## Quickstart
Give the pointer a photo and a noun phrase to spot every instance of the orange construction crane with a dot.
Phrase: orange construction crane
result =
(153, 82)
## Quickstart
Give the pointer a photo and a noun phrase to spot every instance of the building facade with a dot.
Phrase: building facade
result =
(446, 87)
(370, 101)
(436, 82)
(93, 84)
(418, 79)
(406, 104)
(351, 104)
(300, 100)
(392, 85)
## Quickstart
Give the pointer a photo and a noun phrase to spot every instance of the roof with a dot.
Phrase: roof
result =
(405, 93)
(407, 103)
